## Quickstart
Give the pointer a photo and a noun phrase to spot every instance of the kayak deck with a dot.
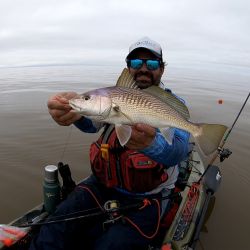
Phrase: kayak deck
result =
(182, 228)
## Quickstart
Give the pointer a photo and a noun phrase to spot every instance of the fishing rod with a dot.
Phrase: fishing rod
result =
(225, 139)
(91, 212)
(68, 217)
(210, 173)
(225, 153)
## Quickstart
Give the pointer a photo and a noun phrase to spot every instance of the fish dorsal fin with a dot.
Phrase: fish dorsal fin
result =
(126, 80)
(169, 99)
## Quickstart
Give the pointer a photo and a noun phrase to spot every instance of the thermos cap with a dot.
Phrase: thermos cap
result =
(51, 173)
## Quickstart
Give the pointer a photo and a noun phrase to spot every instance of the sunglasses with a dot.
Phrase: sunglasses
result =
(152, 64)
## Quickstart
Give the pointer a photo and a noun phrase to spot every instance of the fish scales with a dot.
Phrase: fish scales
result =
(139, 104)
(123, 105)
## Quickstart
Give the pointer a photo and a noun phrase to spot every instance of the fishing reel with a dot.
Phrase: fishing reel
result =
(112, 208)
(224, 153)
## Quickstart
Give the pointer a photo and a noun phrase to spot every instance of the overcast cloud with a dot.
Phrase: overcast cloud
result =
(72, 31)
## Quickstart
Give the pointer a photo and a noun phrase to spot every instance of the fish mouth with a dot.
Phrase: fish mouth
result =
(74, 106)
(77, 109)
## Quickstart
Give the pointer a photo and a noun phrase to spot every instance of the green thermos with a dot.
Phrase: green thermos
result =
(51, 188)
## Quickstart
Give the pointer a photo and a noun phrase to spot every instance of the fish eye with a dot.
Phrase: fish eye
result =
(86, 97)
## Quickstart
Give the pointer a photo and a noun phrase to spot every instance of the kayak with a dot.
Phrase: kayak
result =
(179, 229)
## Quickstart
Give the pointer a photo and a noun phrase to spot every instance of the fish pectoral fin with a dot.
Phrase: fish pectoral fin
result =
(126, 80)
(168, 134)
(123, 133)
(117, 109)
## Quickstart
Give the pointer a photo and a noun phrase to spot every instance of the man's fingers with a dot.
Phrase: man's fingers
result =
(68, 95)
(64, 118)
(145, 129)
(136, 135)
(56, 113)
(141, 137)
(56, 104)
(72, 120)
(60, 110)
(61, 100)
(66, 123)
(69, 117)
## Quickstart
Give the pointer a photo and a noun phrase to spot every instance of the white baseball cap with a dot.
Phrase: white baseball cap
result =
(146, 43)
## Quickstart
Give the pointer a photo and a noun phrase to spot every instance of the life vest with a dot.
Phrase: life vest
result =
(117, 166)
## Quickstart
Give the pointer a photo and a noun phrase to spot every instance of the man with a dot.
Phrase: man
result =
(146, 167)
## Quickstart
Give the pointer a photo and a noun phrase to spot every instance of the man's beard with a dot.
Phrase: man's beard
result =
(144, 84)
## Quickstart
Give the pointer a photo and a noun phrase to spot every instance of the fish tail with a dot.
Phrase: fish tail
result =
(209, 137)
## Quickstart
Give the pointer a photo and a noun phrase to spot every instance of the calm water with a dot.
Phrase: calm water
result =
(29, 139)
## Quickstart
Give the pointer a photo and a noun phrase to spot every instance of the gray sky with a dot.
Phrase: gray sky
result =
(73, 31)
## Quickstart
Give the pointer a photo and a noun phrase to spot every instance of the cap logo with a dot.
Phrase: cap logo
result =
(148, 44)
(145, 43)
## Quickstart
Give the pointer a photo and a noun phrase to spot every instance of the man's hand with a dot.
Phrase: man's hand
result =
(60, 110)
(142, 136)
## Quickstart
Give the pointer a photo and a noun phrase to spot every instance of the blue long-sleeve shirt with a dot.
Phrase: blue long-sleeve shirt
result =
(159, 150)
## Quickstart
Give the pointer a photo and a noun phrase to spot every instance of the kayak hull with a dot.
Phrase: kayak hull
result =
(184, 227)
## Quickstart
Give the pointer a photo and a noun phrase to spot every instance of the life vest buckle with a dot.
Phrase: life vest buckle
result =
(105, 151)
